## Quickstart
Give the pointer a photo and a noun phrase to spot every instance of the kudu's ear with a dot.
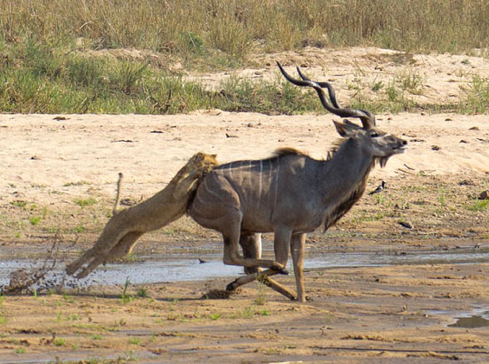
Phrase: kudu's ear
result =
(345, 129)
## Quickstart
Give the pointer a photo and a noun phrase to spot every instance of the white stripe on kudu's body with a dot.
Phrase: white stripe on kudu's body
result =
(230, 169)
(277, 177)
(295, 195)
(260, 181)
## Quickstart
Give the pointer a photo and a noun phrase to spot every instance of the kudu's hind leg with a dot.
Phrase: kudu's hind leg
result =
(263, 277)
(232, 257)
(217, 206)
(282, 242)
(251, 245)
(231, 232)
(252, 248)
(298, 244)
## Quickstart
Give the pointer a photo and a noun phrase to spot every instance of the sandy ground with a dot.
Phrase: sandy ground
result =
(428, 79)
(58, 178)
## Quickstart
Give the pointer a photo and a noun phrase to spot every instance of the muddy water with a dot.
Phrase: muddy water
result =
(475, 318)
(184, 268)
(473, 321)
(479, 317)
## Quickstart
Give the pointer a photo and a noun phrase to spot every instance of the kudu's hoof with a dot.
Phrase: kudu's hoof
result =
(231, 286)
(249, 270)
(306, 299)
(283, 271)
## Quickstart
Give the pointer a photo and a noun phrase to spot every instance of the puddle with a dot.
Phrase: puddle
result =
(185, 267)
(140, 272)
(476, 318)
(471, 322)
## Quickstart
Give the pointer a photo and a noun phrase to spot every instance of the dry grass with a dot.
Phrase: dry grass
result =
(46, 48)
(232, 26)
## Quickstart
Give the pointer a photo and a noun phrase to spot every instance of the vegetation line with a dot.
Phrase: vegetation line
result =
(54, 55)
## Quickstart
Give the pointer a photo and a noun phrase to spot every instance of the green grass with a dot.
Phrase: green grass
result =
(47, 80)
(53, 82)
(125, 296)
(135, 341)
(34, 220)
(105, 56)
(90, 201)
(19, 203)
(79, 183)
(214, 316)
(74, 317)
(142, 292)
(477, 96)
(59, 342)
(478, 205)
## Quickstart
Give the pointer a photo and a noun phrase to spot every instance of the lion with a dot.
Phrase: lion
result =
(127, 225)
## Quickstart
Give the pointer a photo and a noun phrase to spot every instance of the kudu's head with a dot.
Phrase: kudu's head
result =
(377, 143)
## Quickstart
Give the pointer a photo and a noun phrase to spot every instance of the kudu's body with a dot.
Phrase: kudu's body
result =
(290, 194)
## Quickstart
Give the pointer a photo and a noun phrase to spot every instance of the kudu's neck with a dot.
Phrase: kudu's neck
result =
(346, 172)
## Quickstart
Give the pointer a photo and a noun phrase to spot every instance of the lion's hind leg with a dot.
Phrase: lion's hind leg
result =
(84, 258)
(101, 249)
(124, 247)
(93, 264)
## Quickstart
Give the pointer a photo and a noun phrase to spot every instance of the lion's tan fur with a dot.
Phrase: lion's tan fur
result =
(127, 225)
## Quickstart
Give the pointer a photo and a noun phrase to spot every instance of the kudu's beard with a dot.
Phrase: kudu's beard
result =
(381, 161)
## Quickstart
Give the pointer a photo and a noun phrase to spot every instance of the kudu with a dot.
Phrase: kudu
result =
(291, 194)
